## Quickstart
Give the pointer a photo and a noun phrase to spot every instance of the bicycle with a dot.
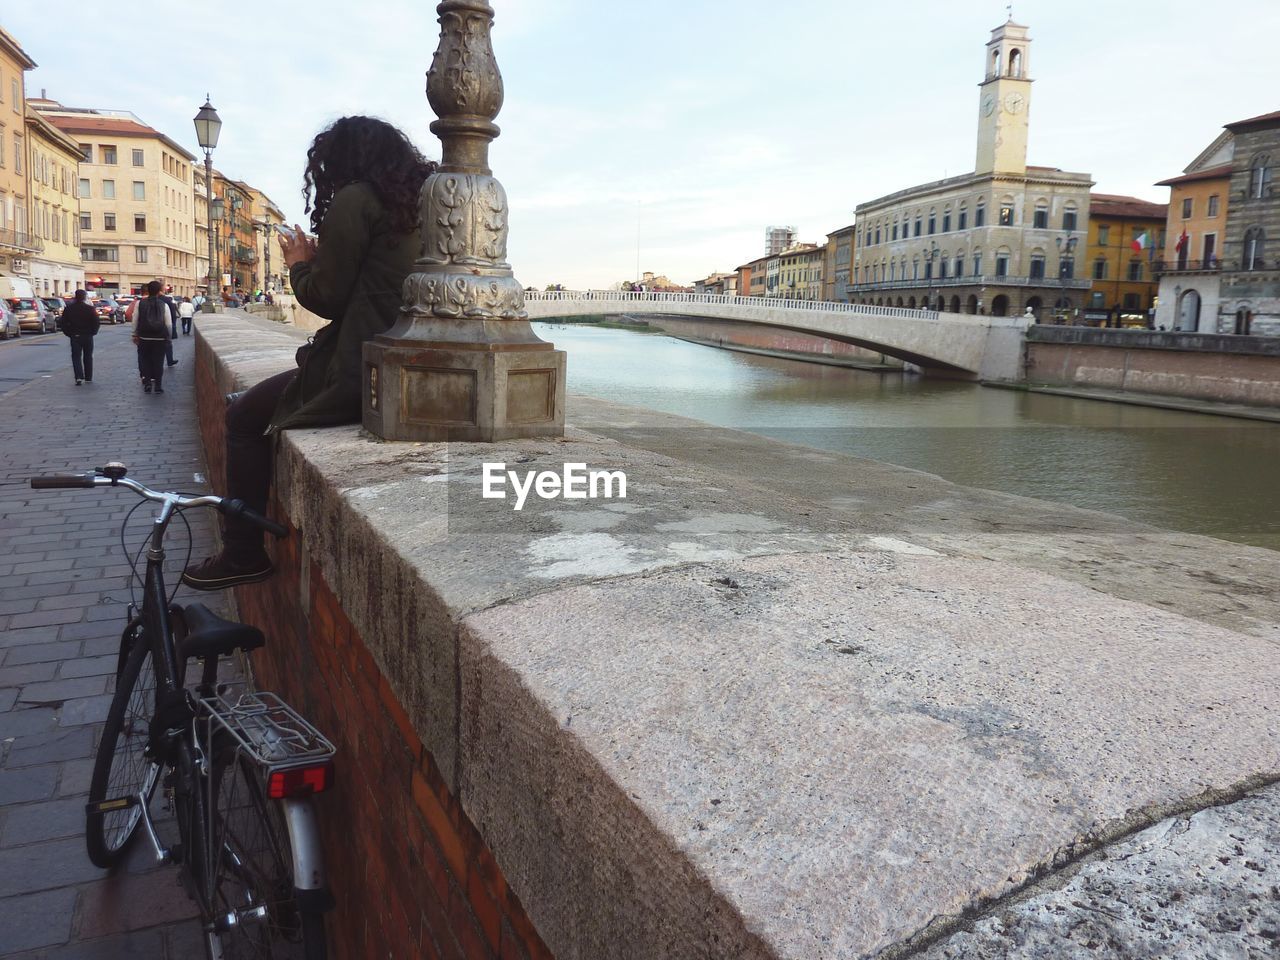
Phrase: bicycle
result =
(238, 770)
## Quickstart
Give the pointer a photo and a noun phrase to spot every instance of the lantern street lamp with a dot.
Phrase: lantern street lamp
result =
(1066, 245)
(208, 126)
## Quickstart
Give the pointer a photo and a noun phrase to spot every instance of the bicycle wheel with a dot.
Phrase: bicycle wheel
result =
(124, 775)
(256, 913)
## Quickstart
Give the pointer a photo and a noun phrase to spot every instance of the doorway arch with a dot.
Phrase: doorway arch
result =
(972, 305)
(1000, 306)
(1035, 305)
(955, 304)
(1189, 311)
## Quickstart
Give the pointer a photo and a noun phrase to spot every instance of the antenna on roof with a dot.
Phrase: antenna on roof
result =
(1009, 7)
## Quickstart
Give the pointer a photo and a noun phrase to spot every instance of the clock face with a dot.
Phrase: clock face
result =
(1013, 102)
(988, 105)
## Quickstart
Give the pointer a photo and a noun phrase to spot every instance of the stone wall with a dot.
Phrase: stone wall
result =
(1227, 369)
(422, 882)
(775, 703)
(775, 341)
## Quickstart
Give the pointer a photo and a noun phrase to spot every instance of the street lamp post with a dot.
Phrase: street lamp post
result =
(208, 127)
(933, 254)
(216, 210)
(1066, 244)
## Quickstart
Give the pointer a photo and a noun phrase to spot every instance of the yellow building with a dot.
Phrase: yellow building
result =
(55, 208)
(1125, 237)
(270, 275)
(800, 272)
(137, 209)
(17, 242)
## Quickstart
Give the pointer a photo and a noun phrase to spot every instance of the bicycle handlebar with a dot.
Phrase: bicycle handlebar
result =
(229, 507)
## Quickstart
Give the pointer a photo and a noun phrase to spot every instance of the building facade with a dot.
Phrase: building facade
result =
(838, 265)
(269, 273)
(1249, 296)
(800, 272)
(1125, 236)
(1001, 240)
(1188, 270)
(18, 243)
(55, 209)
(136, 204)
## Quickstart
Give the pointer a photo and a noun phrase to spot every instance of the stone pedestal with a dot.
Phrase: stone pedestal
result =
(462, 362)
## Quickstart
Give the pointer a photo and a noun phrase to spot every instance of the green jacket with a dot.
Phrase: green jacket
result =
(354, 281)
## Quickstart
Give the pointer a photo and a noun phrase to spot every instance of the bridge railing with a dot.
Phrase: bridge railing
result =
(715, 299)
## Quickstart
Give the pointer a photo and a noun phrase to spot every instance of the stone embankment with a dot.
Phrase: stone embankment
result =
(776, 702)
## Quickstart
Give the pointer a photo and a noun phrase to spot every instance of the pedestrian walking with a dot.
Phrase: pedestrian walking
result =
(152, 318)
(186, 310)
(80, 324)
(173, 317)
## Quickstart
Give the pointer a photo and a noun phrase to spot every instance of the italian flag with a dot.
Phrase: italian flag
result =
(1140, 242)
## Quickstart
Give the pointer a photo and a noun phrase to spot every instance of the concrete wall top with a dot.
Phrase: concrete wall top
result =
(777, 702)
(1157, 340)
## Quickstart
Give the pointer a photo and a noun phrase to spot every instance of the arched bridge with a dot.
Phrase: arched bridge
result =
(988, 348)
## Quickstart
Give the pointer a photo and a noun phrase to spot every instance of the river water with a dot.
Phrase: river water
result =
(1217, 476)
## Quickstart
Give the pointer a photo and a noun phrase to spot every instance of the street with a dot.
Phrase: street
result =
(64, 588)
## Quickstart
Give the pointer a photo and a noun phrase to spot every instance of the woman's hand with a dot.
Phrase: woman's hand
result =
(297, 248)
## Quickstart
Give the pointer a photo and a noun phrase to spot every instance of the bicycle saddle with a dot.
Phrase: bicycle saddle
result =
(209, 635)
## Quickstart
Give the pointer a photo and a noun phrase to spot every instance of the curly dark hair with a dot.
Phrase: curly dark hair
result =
(371, 150)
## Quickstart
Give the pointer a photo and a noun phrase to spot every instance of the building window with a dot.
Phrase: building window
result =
(877, 236)
(933, 223)
(1100, 269)
(109, 189)
(1104, 235)
(1069, 219)
(946, 222)
(17, 154)
(1135, 270)
(1037, 266)
(140, 223)
(980, 214)
(139, 190)
(1132, 304)
(1040, 219)
(1002, 264)
(919, 222)
(1213, 205)
(108, 154)
(86, 151)
(977, 264)
(1186, 208)
(100, 254)
(1254, 248)
(108, 221)
(84, 188)
(140, 254)
(138, 158)
(959, 264)
(86, 221)
(895, 230)
(16, 94)
(1066, 268)
(1006, 215)
(1260, 177)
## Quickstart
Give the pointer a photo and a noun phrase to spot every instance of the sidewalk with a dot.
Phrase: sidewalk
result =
(63, 591)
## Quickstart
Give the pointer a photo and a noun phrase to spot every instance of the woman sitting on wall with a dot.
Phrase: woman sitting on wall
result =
(361, 187)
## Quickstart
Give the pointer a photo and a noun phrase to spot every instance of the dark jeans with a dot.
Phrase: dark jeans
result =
(82, 355)
(249, 457)
(151, 355)
(168, 348)
(186, 324)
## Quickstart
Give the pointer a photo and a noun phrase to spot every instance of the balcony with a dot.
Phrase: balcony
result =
(1208, 265)
(244, 254)
(21, 242)
(985, 280)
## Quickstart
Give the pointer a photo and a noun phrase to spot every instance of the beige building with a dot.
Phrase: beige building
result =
(1001, 240)
(137, 209)
(800, 269)
(55, 209)
(270, 274)
(200, 225)
(17, 241)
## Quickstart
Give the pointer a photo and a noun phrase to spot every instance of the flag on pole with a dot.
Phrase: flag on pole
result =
(1182, 241)
(1140, 242)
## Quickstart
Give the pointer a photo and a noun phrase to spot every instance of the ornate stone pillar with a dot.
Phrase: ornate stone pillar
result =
(462, 362)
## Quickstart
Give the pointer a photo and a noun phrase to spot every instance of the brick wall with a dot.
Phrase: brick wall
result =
(411, 875)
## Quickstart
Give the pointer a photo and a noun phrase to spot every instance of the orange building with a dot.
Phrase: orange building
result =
(1125, 237)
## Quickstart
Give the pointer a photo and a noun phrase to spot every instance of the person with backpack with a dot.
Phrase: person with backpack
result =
(151, 320)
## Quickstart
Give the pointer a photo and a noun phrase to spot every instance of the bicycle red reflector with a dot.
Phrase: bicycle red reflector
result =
(300, 781)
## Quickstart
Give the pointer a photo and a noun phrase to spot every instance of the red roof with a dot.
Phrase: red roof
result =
(1115, 205)
(1265, 119)
(89, 123)
(1212, 173)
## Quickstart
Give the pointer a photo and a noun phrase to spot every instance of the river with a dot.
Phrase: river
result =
(1217, 476)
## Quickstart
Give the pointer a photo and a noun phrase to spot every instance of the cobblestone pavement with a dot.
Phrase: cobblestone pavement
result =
(64, 584)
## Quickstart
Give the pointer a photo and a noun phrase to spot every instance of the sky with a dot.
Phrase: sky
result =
(667, 135)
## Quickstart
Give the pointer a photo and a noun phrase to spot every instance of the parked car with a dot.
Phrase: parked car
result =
(55, 306)
(32, 314)
(8, 322)
(123, 301)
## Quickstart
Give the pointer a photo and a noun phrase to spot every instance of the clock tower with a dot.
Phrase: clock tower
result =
(1004, 101)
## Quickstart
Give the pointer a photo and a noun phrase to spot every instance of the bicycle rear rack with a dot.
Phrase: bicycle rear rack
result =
(269, 731)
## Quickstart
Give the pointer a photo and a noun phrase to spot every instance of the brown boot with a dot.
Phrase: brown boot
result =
(228, 570)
